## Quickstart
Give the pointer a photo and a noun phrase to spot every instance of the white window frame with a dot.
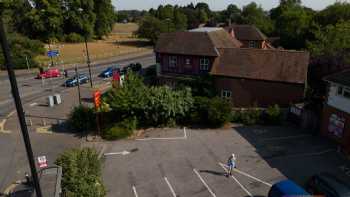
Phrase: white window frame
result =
(204, 64)
(252, 44)
(341, 91)
(226, 94)
(172, 61)
(188, 61)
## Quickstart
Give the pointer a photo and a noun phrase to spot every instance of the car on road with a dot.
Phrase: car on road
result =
(74, 80)
(328, 185)
(286, 188)
(50, 73)
(109, 72)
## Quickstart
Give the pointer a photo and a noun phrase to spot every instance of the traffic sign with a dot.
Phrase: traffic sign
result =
(53, 53)
(42, 162)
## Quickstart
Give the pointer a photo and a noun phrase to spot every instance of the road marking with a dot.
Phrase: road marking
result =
(117, 153)
(234, 178)
(3, 122)
(134, 190)
(248, 175)
(44, 130)
(33, 104)
(166, 138)
(170, 187)
(204, 183)
(287, 137)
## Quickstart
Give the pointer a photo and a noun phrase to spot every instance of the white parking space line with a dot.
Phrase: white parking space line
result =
(204, 183)
(33, 104)
(234, 178)
(286, 137)
(134, 191)
(166, 138)
(170, 187)
(248, 175)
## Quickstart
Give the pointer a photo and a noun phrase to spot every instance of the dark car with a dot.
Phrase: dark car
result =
(136, 68)
(109, 72)
(328, 185)
(74, 80)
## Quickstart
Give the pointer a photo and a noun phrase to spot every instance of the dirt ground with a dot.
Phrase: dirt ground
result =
(120, 42)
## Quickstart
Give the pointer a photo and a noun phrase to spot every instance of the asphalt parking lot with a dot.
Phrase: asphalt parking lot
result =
(179, 162)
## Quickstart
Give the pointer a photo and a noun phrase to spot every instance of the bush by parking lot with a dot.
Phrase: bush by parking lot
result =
(81, 170)
(82, 118)
(121, 129)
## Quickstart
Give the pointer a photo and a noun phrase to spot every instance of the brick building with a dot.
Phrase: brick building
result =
(246, 76)
(336, 111)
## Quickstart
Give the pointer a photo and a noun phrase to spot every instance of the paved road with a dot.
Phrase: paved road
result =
(13, 162)
(31, 88)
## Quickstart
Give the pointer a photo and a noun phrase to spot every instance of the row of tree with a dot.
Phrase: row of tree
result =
(295, 24)
(48, 20)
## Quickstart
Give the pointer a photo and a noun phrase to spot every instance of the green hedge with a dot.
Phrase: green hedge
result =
(120, 130)
(81, 173)
(270, 116)
(82, 118)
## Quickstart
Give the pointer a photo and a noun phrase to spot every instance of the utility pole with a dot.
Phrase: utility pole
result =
(27, 63)
(19, 107)
(77, 76)
(88, 60)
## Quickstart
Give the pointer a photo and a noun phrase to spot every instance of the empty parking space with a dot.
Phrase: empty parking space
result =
(196, 166)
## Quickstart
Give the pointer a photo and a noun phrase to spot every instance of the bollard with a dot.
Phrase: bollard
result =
(43, 122)
(50, 101)
(57, 99)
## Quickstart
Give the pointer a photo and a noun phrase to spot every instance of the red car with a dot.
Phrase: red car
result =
(53, 72)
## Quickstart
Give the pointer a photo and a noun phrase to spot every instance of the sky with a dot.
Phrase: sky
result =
(214, 4)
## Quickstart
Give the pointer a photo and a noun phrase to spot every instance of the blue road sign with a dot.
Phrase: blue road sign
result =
(53, 53)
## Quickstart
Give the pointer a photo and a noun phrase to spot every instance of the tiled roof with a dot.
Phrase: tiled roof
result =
(270, 65)
(195, 43)
(246, 32)
(342, 78)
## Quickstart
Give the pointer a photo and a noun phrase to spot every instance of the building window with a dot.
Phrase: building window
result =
(204, 64)
(253, 44)
(226, 94)
(188, 61)
(172, 61)
(340, 90)
(345, 92)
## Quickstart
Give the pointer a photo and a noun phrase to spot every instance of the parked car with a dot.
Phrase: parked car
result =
(109, 72)
(328, 185)
(50, 73)
(286, 188)
(74, 80)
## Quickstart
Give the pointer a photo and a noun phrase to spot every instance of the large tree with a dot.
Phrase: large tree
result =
(255, 15)
(151, 27)
(334, 14)
(332, 44)
(104, 17)
(292, 23)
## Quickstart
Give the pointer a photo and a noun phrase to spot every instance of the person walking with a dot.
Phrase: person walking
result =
(231, 163)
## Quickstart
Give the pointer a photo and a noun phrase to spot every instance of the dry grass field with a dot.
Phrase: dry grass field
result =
(120, 42)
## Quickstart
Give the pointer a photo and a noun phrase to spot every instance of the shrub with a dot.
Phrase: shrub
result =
(74, 38)
(82, 118)
(121, 129)
(213, 112)
(273, 115)
(249, 117)
(219, 111)
(81, 173)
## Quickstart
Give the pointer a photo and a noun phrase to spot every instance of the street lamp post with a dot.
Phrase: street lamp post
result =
(88, 59)
(87, 52)
(19, 107)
